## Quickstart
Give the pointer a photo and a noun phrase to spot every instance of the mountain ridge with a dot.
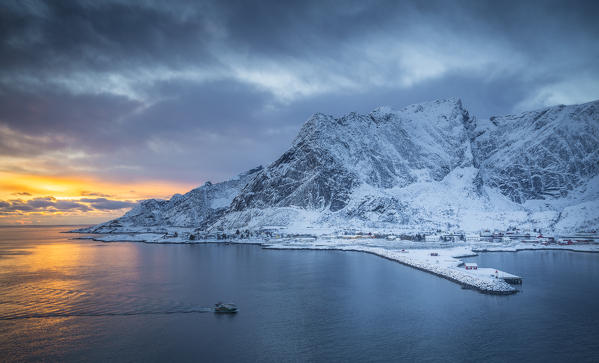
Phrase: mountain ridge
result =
(425, 166)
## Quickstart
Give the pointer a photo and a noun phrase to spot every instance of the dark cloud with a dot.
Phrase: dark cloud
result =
(106, 204)
(63, 205)
(51, 204)
(203, 90)
(44, 111)
(72, 36)
(86, 193)
(41, 204)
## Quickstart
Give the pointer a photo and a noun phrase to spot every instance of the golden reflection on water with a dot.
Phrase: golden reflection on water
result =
(45, 275)
(48, 282)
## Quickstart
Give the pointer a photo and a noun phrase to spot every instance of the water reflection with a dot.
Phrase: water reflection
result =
(69, 278)
(125, 302)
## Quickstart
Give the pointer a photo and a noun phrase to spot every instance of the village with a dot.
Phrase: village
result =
(509, 235)
(437, 252)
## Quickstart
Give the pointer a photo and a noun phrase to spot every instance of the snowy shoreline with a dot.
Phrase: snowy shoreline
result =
(442, 260)
(488, 287)
(590, 249)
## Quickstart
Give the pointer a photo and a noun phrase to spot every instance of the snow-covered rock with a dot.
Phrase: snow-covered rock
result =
(384, 149)
(543, 154)
(194, 209)
(426, 166)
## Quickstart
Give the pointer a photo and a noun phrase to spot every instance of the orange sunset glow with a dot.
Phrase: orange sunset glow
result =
(37, 199)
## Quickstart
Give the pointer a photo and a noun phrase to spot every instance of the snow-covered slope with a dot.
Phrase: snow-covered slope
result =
(429, 166)
(384, 149)
(426, 166)
(543, 154)
(355, 169)
(196, 208)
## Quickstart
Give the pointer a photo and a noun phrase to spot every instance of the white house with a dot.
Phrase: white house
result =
(472, 237)
(432, 237)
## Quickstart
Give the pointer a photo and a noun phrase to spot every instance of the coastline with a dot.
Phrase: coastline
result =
(445, 262)
(424, 269)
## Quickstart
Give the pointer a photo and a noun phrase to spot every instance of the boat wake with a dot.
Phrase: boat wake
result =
(27, 302)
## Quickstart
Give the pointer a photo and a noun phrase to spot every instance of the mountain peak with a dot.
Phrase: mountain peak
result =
(442, 103)
(425, 166)
(439, 111)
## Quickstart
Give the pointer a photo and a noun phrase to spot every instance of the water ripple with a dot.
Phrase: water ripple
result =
(25, 302)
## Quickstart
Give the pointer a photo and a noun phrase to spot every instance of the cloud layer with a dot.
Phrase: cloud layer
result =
(152, 90)
(52, 205)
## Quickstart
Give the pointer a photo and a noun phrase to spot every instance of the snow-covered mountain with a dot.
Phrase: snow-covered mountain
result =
(196, 208)
(426, 166)
(384, 149)
(543, 154)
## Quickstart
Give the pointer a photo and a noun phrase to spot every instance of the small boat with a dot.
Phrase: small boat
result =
(220, 307)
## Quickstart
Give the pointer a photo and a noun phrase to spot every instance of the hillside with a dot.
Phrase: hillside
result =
(426, 166)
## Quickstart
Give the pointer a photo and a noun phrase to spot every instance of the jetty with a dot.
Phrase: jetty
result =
(498, 274)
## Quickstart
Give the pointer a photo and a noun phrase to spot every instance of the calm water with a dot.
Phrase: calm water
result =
(141, 302)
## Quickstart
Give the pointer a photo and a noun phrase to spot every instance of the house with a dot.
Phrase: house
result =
(486, 233)
(434, 254)
(472, 237)
(471, 266)
(432, 238)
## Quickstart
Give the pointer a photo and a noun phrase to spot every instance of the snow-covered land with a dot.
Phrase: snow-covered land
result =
(430, 166)
(439, 258)
(195, 209)
(423, 168)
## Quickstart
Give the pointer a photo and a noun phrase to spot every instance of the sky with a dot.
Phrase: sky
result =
(106, 103)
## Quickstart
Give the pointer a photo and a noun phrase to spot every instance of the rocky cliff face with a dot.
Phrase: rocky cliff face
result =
(426, 166)
(384, 149)
(543, 154)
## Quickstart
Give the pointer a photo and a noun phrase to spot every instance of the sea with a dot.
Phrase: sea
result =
(66, 299)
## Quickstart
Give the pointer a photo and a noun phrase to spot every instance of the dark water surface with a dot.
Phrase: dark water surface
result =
(77, 300)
